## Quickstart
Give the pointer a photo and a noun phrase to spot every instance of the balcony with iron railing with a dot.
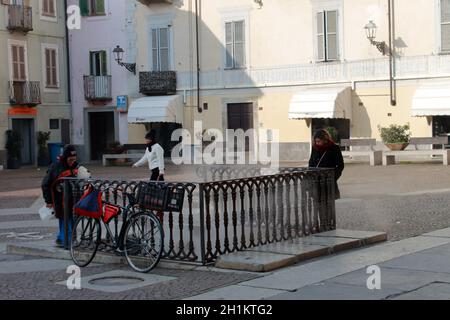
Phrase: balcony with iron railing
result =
(24, 93)
(97, 88)
(154, 83)
(20, 18)
(149, 2)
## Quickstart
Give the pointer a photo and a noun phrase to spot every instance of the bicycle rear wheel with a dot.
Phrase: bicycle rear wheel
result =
(86, 237)
(143, 242)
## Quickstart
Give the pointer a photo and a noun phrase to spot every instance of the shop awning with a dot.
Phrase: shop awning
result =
(330, 102)
(156, 109)
(431, 100)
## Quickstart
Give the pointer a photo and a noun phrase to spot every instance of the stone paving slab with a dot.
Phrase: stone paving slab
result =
(322, 291)
(433, 291)
(277, 255)
(393, 278)
(255, 261)
(299, 276)
(10, 267)
(369, 237)
(333, 244)
(300, 250)
(423, 262)
(444, 233)
(237, 292)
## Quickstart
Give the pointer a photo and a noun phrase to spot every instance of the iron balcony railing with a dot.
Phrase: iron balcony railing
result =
(97, 88)
(25, 93)
(20, 18)
(149, 2)
(249, 208)
(152, 83)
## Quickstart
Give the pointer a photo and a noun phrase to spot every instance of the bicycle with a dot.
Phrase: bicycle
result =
(141, 236)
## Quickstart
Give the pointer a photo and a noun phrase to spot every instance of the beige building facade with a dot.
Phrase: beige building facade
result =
(33, 77)
(299, 65)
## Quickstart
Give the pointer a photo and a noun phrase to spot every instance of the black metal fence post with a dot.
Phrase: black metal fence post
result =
(67, 209)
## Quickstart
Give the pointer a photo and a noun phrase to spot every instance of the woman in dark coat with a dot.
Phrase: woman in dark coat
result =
(327, 154)
(52, 187)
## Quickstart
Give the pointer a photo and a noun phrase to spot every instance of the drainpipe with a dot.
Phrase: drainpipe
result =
(69, 96)
(393, 87)
(199, 109)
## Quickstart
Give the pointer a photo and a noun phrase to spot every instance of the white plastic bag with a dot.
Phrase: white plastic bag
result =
(83, 173)
(46, 213)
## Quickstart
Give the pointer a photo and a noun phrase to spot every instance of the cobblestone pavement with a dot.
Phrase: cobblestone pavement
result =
(43, 285)
(402, 200)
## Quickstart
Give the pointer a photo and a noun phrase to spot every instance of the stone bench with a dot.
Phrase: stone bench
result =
(375, 157)
(107, 157)
(389, 157)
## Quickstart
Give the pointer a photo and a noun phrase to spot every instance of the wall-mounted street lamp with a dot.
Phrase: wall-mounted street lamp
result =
(386, 49)
(371, 33)
(118, 54)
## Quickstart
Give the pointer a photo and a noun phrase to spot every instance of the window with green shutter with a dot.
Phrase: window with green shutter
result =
(98, 63)
(84, 7)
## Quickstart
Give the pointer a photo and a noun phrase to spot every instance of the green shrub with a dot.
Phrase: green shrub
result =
(395, 133)
(42, 139)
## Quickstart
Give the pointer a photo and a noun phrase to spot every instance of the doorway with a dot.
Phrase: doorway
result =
(25, 127)
(101, 133)
(341, 126)
(240, 116)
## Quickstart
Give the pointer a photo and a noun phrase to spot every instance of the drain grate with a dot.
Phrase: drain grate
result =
(116, 281)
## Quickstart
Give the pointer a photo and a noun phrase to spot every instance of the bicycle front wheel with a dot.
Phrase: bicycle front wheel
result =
(86, 237)
(144, 242)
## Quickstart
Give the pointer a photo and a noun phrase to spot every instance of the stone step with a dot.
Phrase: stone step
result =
(278, 255)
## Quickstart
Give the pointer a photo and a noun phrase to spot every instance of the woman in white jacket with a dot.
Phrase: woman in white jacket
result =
(154, 156)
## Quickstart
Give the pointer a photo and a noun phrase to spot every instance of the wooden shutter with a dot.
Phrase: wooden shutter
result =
(332, 48)
(445, 25)
(51, 7)
(104, 64)
(84, 7)
(164, 49)
(18, 63)
(155, 50)
(48, 71)
(92, 63)
(45, 9)
(239, 44)
(229, 44)
(54, 70)
(320, 36)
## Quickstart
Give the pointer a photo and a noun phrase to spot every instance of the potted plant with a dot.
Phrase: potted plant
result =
(116, 148)
(333, 133)
(395, 137)
(14, 147)
(43, 157)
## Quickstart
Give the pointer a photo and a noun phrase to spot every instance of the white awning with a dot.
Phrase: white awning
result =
(331, 102)
(431, 100)
(156, 109)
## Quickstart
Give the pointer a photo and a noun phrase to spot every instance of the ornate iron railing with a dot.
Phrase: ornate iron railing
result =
(97, 88)
(235, 214)
(158, 83)
(23, 93)
(20, 18)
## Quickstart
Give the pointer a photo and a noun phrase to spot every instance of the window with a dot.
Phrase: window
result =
(92, 7)
(445, 25)
(18, 62)
(327, 36)
(235, 44)
(51, 74)
(161, 49)
(98, 63)
(49, 8)
(54, 124)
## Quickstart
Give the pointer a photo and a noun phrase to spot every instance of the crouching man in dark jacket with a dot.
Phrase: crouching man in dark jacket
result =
(52, 188)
